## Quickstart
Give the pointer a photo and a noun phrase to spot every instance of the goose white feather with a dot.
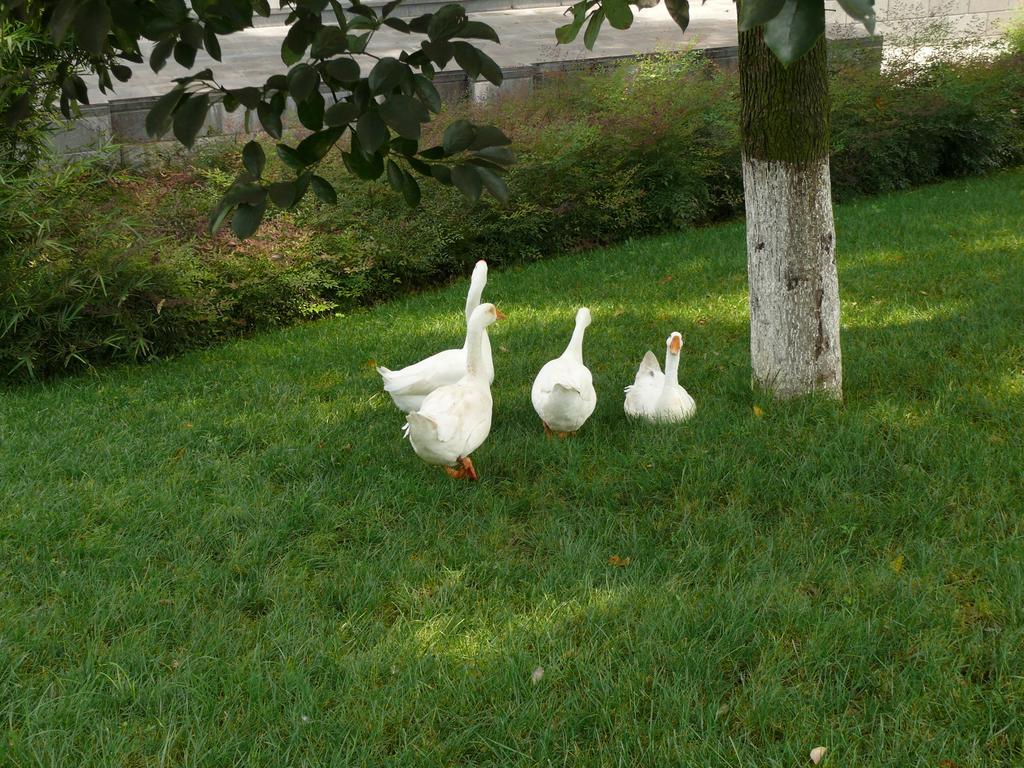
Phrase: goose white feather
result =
(410, 385)
(657, 396)
(455, 419)
(563, 393)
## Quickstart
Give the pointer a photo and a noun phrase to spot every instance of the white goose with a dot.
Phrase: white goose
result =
(408, 386)
(563, 393)
(657, 396)
(454, 420)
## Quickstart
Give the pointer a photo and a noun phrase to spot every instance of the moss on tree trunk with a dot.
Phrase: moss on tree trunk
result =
(784, 112)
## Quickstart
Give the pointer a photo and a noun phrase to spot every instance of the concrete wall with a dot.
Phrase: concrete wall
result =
(966, 18)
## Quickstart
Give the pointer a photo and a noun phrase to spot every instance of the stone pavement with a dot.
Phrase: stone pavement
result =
(527, 35)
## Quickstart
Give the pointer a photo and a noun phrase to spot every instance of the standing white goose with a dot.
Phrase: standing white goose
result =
(408, 386)
(454, 420)
(657, 396)
(563, 393)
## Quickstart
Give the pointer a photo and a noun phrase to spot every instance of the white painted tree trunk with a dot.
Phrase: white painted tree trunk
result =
(794, 287)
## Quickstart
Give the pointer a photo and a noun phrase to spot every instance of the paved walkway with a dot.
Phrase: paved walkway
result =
(528, 37)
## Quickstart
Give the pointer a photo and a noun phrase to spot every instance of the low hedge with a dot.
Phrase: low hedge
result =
(101, 265)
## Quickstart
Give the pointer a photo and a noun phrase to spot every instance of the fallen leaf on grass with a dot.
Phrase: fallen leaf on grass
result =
(897, 563)
(618, 562)
(371, 363)
(538, 673)
(666, 279)
(758, 411)
(817, 754)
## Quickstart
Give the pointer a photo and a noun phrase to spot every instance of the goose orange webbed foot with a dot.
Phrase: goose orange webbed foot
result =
(465, 470)
(547, 431)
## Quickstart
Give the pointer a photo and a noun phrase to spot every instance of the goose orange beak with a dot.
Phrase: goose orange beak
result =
(499, 314)
(675, 345)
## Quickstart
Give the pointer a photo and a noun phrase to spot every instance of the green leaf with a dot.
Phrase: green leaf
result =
(92, 23)
(593, 28)
(500, 155)
(270, 119)
(362, 165)
(427, 92)
(211, 44)
(494, 184)
(410, 190)
(302, 80)
(477, 30)
(184, 54)
(754, 13)
(442, 173)
(61, 19)
(247, 219)
(468, 58)
(404, 114)
(189, 117)
(446, 22)
(395, 176)
(254, 159)
(489, 136)
(283, 193)
(329, 41)
(795, 30)
(372, 132)
(290, 157)
(311, 111)
(244, 192)
(458, 136)
(262, 7)
(466, 179)
(342, 113)
(293, 48)
(403, 183)
(385, 75)
(357, 43)
(249, 97)
(618, 13)
(679, 10)
(323, 189)
(567, 33)
(490, 69)
(389, 8)
(217, 217)
(313, 148)
(862, 10)
(158, 120)
(343, 70)
(158, 56)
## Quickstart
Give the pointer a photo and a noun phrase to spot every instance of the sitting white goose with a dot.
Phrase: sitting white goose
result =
(454, 420)
(563, 393)
(408, 386)
(657, 396)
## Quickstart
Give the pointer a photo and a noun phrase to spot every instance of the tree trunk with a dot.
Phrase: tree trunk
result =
(791, 258)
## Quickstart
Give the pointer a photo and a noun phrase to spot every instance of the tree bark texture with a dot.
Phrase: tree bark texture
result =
(791, 257)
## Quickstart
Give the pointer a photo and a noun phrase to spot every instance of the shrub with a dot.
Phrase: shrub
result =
(105, 265)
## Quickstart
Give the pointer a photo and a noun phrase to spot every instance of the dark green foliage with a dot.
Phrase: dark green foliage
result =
(35, 75)
(101, 34)
(601, 158)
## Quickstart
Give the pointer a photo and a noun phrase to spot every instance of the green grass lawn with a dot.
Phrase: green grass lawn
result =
(233, 558)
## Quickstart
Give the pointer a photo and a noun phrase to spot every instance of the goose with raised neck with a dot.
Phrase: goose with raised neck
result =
(454, 420)
(408, 386)
(563, 393)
